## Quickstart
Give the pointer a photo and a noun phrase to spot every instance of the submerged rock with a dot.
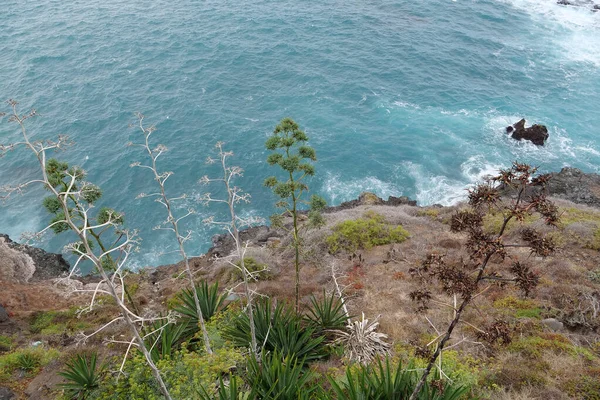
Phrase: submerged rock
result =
(537, 134)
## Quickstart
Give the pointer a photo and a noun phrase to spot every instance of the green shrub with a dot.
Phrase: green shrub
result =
(56, 322)
(382, 382)
(29, 360)
(520, 308)
(81, 376)
(253, 266)
(186, 374)
(364, 233)
(534, 346)
(6, 343)
(584, 387)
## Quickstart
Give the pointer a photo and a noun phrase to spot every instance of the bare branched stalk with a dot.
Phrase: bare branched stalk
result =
(79, 221)
(171, 223)
(464, 280)
(235, 195)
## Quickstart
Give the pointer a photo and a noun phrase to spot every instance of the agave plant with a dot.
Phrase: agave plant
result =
(81, 376)
(276, 377)
(228, 392)
(327, 313)
(383, 382)
(361, 341)
(277, 328)
(28, 362)
(162, 340)
(210, 301)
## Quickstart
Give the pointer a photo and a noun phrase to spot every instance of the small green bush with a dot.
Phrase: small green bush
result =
(364, 233)
(29, 360)
(520, 308)
(6, 343)
(186, 374)
(253, 266)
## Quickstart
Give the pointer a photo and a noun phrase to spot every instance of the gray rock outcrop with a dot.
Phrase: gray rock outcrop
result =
(23, 263)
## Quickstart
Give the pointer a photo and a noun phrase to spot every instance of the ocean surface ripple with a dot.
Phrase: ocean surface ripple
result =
(398, 97)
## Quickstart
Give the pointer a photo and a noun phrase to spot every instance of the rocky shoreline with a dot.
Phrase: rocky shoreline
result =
(25, 264)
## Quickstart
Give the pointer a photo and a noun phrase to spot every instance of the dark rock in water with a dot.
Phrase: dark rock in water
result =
(3, 314)
(579, 3)
(537, 134)
(23, 263)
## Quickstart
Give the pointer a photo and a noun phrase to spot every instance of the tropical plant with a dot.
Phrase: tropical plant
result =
(209, 299)
(162, 340)
(290, 152)
(282, 378)
(233, 391)
(383, 382)
(277, 328)
(326, 313)
(81, 375)
(28, 362)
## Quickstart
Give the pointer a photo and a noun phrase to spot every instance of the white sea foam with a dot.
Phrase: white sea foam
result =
(574, 29)
(440, 189)
(338, 190)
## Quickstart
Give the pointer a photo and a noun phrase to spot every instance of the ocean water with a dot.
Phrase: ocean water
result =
(398, 97)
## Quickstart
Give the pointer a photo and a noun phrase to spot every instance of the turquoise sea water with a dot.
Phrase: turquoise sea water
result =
(398, 97)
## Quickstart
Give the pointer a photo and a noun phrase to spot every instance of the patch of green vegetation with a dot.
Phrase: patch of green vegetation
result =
(432, 213)
(6, 343)
(585, 387)
(520, 308)
(259, 271)
(571, 215)
(534, 346)
(364, 233)
(56, 322)
(185, 373)
(29, 360)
